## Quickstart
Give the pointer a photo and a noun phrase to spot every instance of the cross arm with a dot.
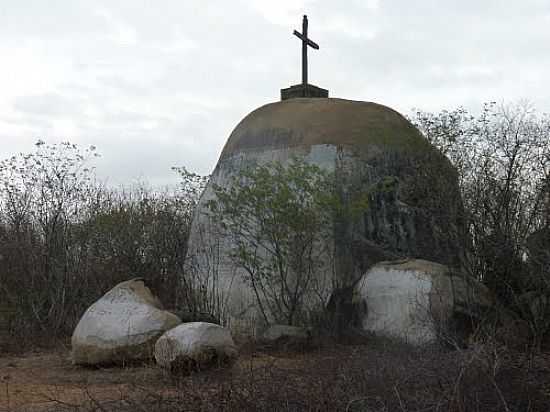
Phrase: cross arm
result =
(308, 41)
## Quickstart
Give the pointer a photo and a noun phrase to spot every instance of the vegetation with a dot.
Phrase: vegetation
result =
(65, 239)
(279, 220)
(503, 160)
(376, 375)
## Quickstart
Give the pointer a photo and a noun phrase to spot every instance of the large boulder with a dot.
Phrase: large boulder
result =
(421, 302)
(414, 204)
(195, 345)
(121, 326)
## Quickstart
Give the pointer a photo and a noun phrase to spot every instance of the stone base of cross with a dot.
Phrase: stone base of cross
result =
(301, 90)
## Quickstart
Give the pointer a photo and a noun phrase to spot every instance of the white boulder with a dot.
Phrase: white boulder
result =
(195, 345)
(121, 326)
(420, 301)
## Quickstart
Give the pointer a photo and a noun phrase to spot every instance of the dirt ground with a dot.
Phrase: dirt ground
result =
(377, 377)
(43, 380)
(48, 381)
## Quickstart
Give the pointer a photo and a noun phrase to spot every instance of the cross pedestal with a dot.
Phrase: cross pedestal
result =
(301, 90)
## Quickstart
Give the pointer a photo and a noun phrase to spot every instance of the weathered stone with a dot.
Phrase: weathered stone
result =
(195, 345)
(414, 205)
(121, 326)
(187, 316)
(276, 332)
(299, 90)
(421, 302)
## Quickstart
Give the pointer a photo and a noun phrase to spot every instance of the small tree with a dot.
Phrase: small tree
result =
(278, 219)
(41, 197)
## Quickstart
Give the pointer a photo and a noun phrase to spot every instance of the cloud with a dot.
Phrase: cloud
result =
(120, 32)
(281, 12)
(163, 84)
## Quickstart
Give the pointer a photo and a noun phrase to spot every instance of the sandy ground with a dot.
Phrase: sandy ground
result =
(329, 379)
(46, 381)
(38, 381)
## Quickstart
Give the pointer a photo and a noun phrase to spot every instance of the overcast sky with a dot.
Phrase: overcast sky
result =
(155, 84)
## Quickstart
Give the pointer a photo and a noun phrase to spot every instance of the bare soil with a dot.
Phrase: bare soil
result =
(377, 376)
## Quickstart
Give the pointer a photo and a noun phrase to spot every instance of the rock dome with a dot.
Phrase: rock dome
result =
(415, 209)
(306, 122)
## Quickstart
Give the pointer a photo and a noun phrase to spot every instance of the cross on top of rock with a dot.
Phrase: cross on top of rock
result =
(305, 89)
(305, 42)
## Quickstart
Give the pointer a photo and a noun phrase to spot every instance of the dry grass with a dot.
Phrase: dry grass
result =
(376, 376)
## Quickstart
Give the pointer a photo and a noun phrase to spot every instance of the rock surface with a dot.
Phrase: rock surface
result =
(276, 332)
(420, 301)
(414, 205)
(195, 345)
(121, 326)
(187, 316)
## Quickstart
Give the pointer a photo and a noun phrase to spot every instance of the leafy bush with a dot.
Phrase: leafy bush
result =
(279, 218)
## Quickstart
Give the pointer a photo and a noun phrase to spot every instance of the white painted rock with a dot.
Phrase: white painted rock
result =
(195, 345)
(121, 326)
(419, 301)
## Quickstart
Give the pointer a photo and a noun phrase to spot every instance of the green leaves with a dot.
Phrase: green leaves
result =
(279, 219)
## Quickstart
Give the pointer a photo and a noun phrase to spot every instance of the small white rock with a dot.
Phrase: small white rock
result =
(195, 344)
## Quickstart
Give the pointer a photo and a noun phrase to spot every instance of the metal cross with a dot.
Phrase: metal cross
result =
(305, 42)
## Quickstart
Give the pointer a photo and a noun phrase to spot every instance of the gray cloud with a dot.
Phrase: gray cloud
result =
(154, 85)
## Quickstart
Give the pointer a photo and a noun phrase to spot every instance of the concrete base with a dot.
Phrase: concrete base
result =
(299, 90)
